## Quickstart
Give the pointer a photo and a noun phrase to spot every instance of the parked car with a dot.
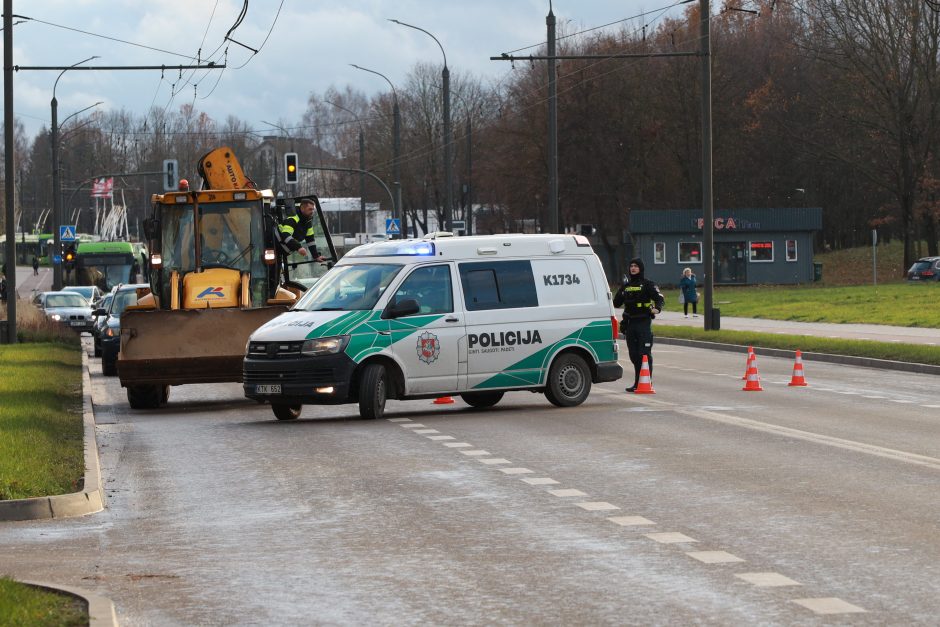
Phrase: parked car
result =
(925, 269)
(109, 331)
(100, 318)
(91, 292)
(67, 308)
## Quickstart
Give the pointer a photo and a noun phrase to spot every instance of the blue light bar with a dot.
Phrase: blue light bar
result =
(409, 248)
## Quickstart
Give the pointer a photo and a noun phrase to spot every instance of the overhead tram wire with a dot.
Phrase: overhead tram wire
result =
(123, 41)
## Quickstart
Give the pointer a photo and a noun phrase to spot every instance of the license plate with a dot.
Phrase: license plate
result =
(77, 323)
(267, 389)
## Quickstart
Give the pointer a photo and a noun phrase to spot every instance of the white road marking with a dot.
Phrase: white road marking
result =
(475, 452)
(567, 492)
(670, 537)
(413, 425)
(441, 437)
(767, 580)
(932, 406)
(457, 444)
(597, 506)
(540, 481)
(871, 396)
(515, 471)
(399, 419)
(492, 461)
(714, 557)
(425, 431)
(830, 605)
(901, 400)
(627, 521)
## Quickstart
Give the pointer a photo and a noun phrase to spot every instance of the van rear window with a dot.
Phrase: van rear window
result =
(498, 285)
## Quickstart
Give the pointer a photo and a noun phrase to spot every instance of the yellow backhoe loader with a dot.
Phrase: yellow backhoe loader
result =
(217, 273)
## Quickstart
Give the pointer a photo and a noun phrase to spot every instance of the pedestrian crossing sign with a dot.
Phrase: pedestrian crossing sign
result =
(393, 226)
(67, 233)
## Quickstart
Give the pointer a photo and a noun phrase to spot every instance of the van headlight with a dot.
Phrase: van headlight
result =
(324, 345)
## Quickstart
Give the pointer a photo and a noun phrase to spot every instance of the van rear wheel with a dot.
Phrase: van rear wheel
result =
(286, 412)
(569, 381)
(481, 399)
(372, 392)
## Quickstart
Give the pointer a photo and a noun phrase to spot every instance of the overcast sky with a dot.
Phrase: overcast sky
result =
(303, 46)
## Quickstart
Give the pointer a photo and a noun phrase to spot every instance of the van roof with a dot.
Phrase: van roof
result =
(439, 246)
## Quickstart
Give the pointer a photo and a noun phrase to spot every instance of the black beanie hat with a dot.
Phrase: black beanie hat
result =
(639, 263)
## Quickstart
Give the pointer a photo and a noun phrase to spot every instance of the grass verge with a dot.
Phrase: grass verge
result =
(914, 353)
(41, 431)
(27, 606)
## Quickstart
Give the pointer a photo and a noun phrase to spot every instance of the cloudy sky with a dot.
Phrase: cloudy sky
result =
(302, 46)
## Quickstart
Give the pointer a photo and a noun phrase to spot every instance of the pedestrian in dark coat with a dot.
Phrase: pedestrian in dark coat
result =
(688, 286)
(641, 301)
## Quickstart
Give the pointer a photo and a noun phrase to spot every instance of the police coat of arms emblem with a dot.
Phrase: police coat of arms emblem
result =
(429, 347)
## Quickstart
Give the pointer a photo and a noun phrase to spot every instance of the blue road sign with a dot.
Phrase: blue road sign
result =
(392, 226)
(57, 259)
(67, 233)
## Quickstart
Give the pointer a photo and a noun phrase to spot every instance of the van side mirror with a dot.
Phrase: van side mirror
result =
(395, 309)
(151, 228)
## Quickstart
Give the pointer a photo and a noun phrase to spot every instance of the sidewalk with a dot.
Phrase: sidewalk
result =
(873, 332)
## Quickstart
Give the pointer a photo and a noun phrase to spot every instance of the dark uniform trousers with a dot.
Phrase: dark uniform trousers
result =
(638, 334)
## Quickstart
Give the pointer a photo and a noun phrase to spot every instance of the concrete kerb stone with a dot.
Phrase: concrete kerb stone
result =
(101, 611)
(87, 501)
(848, 360)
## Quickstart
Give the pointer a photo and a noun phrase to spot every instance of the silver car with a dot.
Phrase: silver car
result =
(67, 308)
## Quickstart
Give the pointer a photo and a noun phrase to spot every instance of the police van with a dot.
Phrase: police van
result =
(471, 316)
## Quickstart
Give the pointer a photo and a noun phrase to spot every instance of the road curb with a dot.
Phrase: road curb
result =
(101, 612)
(87, 501)
(847, 360)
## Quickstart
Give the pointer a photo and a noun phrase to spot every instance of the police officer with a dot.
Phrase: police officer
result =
(641, 301)
(297, 230)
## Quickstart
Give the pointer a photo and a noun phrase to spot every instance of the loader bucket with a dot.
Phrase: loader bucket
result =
(177, 347)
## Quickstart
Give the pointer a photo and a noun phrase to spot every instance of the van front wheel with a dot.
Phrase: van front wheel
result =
(569, 381)
(286, 412)
(372, 392)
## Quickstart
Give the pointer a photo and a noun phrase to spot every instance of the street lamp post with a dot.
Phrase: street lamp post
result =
(362, 168)
(56, 183)
(448, 139)
(396, 149)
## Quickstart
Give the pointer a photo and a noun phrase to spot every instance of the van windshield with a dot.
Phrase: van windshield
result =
(349, 288)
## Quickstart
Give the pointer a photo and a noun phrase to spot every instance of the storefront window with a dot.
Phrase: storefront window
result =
(659, 252)
(762, 251)
(791, 250)
(690, 252)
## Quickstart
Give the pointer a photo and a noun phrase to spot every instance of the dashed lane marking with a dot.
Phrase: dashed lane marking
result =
(515, 471)
(422, 431)
(670, 537)
(441, 437)
(767, 580)
(399, 419)
(567, 492)
(494, 461)
(714, 557)
(829, 605)
(457, 444)
(597, 506)
(413, 425)
(475, 452)
(540, 481)
(629, 521)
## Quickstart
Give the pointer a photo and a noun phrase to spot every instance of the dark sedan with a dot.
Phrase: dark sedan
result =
(109, 329)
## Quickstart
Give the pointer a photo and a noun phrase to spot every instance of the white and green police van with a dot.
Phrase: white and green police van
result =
(471, 316)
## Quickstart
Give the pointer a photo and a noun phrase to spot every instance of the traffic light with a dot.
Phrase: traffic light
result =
(290, 168)
(69, 258)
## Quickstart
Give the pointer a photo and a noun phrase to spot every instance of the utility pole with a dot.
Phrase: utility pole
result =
(8, 169)
(553, 218)
(708, 212)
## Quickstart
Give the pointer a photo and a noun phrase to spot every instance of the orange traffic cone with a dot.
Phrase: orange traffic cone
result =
(747, 363)
(443, 400)
(753, 378)
(645, 386)
(797, 378)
